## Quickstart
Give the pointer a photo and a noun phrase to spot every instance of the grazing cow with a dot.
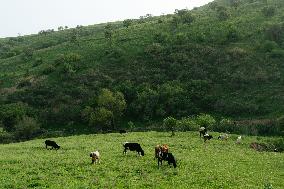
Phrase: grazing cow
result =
(171, 159)
(165, 156)
(239, 139)
(122, 131)
(207, 137)
(202, 131)
(161, 148)
(52, 144)
(223, 136)
(162, 154)
(95, 157)
(133, 147)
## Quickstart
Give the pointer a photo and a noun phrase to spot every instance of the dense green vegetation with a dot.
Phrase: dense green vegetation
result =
(224, 59)
(216, 164)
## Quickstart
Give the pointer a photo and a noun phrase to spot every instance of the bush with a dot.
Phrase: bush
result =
(268, 11)
(223, 13)
(225, 125)
(169, 123)
(10, 114)
(26, 128)
(48, 69)
(67, 58)
(131, 125)
(268, 46)
(101, 119)
(187, 124)
(280, 124)
(275, 32)
(277, 53)
(205, 120)
(6, 137)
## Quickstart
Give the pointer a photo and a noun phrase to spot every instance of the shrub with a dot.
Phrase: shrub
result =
(187, 124)
(127, 23)
(275, 32)
(131, 125)
(169, 124)
(86, 113)
(26, 128)
(205, 120)
(277, 53)
(101, 119)
(225, 125)
(6, 137)
(268, 11)
(223, 13)
(67, 58)
(10, 114)
(268, 46)
(280, 124)
(48, 69)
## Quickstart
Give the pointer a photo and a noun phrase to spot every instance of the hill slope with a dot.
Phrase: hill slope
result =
(225, 58)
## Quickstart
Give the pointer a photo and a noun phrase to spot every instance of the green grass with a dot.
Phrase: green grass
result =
(218, 164)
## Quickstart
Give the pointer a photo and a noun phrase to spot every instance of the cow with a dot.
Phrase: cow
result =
(95, 157)
(202, 131)
(52, 144)
(207, 137)
(239, 140)
(164, 156)
(161, 148)
(223, 136)
(133, 147)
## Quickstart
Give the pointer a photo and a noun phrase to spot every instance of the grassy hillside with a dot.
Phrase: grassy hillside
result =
(216, 164)
(225, 58)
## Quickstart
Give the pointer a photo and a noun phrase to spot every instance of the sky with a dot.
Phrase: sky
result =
(23, 17)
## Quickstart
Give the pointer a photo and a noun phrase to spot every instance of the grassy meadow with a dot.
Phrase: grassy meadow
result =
(216, 164)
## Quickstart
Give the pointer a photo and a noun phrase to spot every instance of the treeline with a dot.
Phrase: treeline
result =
(224, 59)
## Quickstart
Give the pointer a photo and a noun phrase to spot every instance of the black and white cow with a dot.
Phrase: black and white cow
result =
(52, 144)
(133, 147)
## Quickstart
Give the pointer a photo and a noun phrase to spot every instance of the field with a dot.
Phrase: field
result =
(216, 164)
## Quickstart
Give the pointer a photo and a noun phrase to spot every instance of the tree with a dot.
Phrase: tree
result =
(108, 30)
(110, 107)
(269, 11)
(170, 123)
(205, 120)
(275, 33)
(235, 3)
(184, 16)
(11, 114)
(127, 22)
(26, 128)
(223, 13)
(101, 118)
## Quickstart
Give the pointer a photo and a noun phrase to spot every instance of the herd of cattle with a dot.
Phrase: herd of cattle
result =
(161, 151)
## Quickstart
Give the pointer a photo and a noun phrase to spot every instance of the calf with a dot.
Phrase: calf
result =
(223, 137)
(133, 147)
(95, 157)
(202, 131)
(207, 137)
(52, 144)
(239, 140)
